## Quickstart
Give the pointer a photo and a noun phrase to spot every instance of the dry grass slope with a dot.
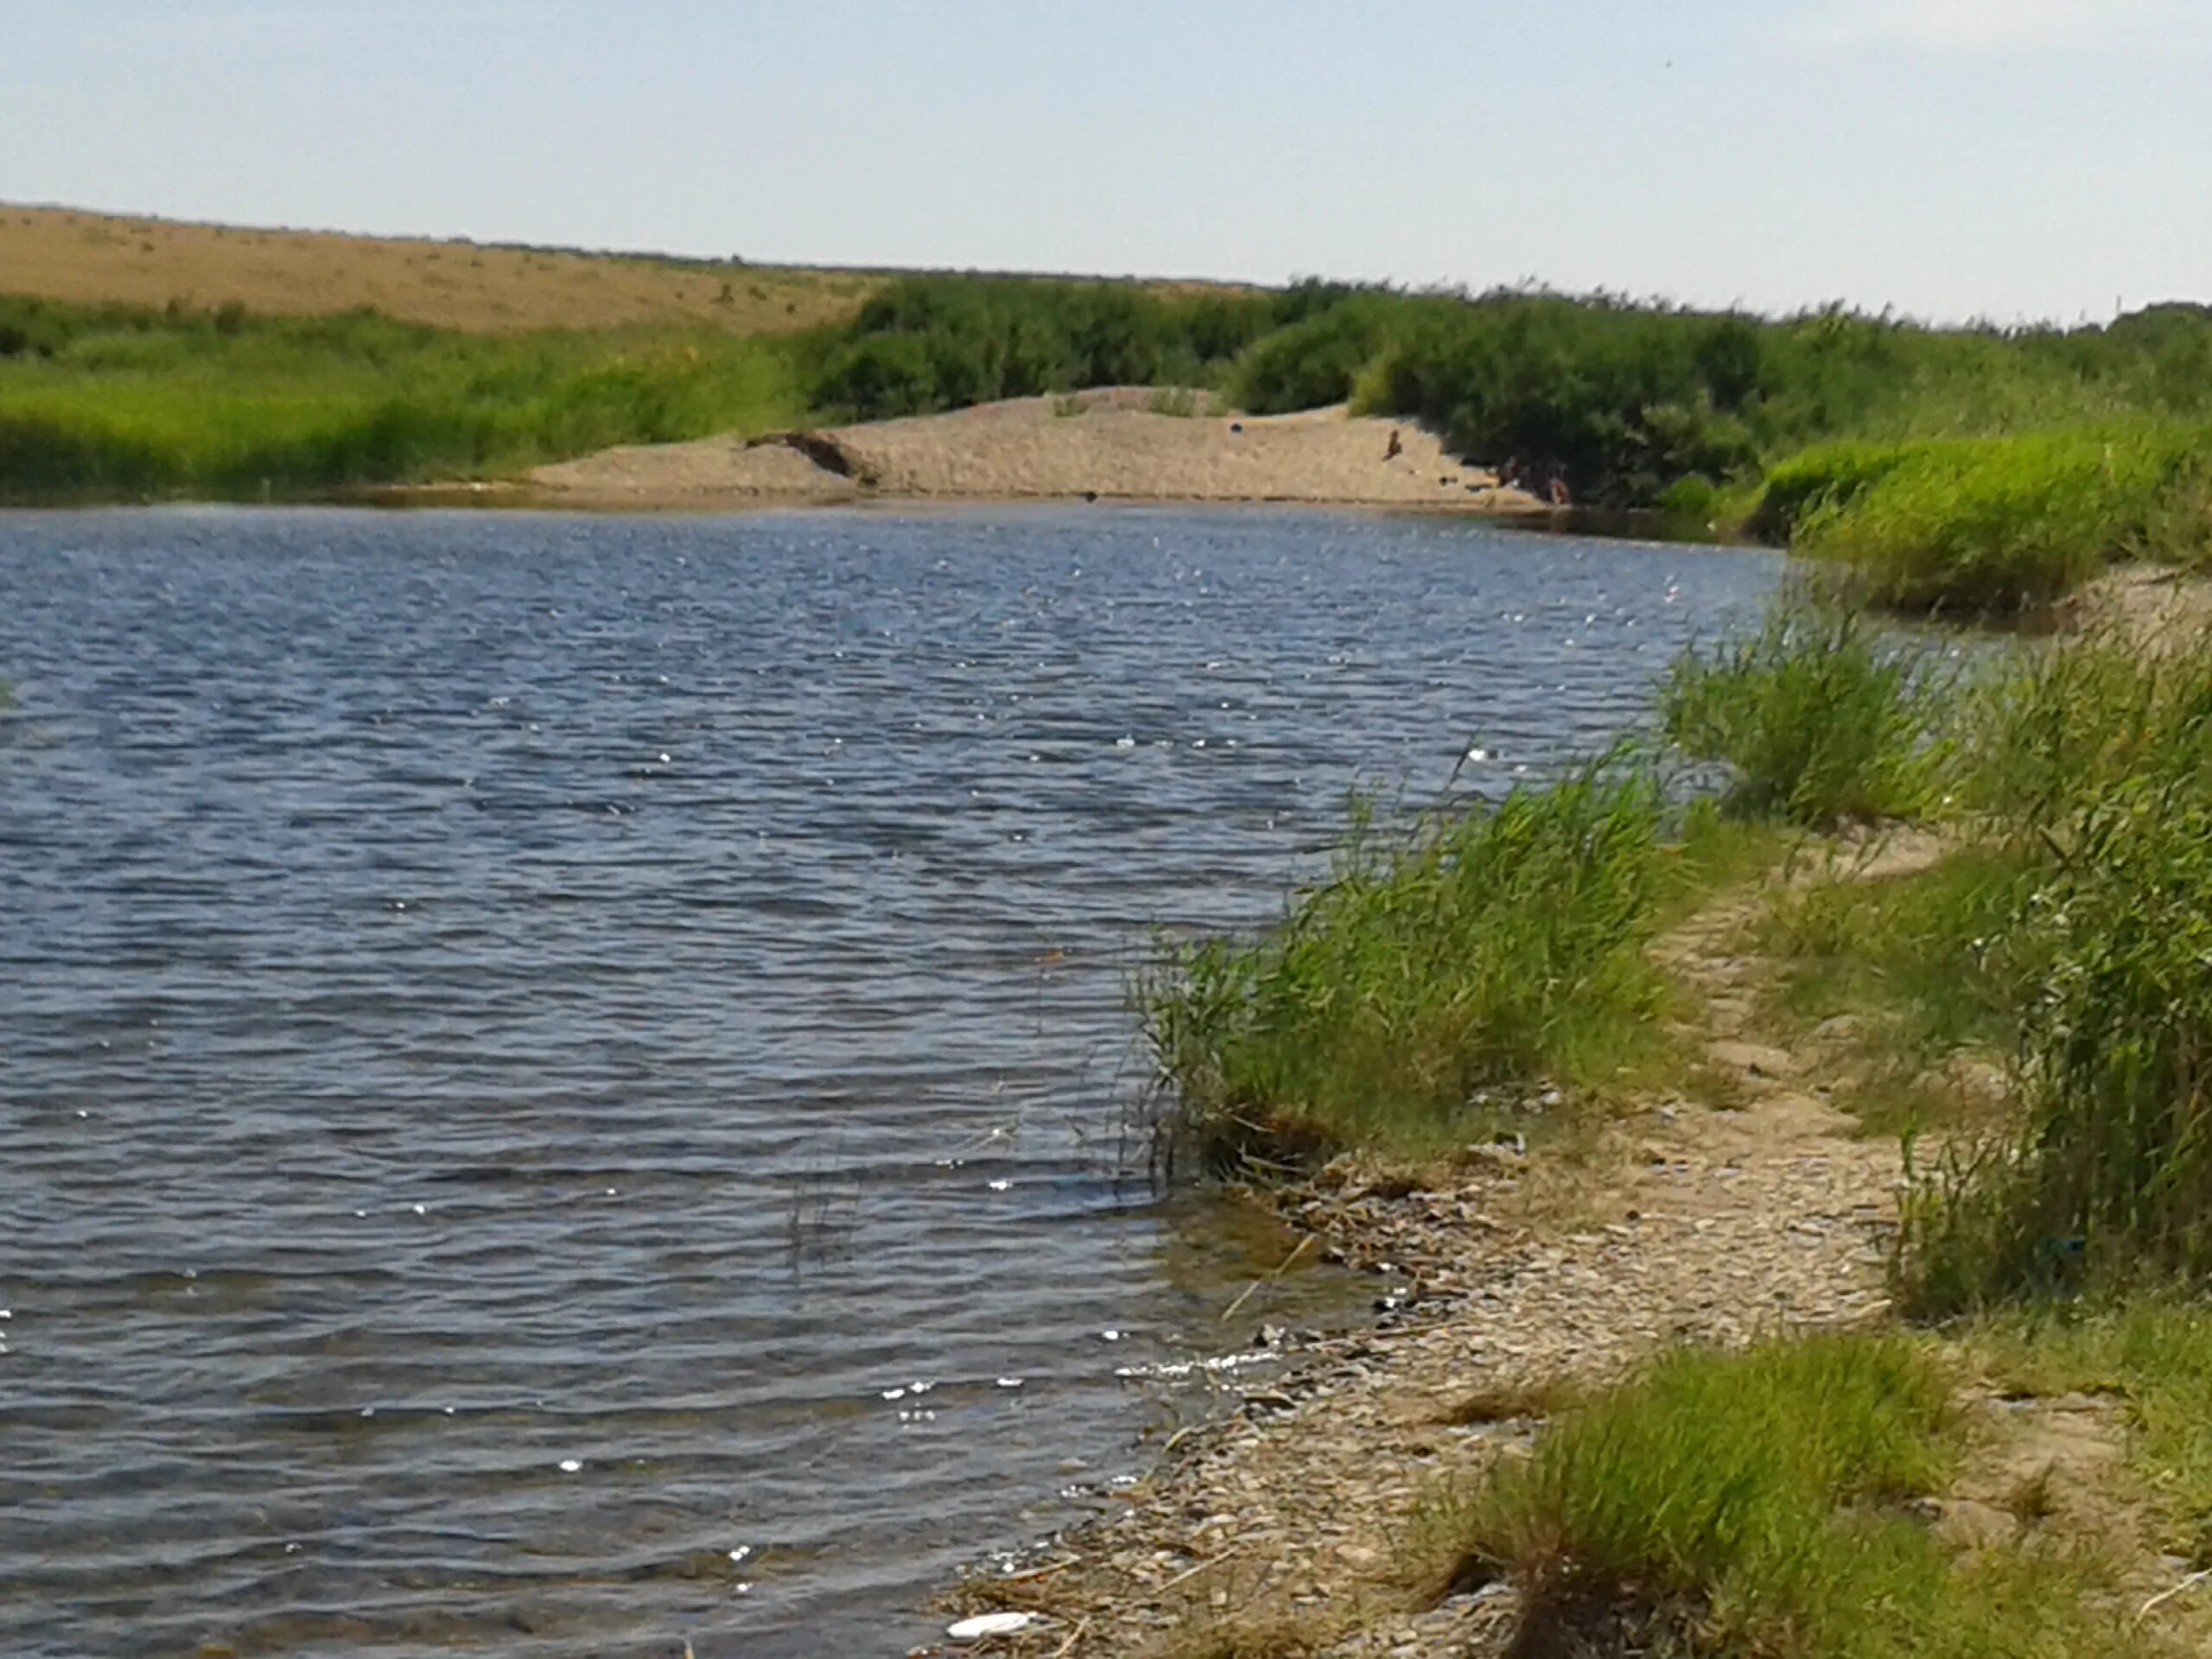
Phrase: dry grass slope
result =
(86, 258)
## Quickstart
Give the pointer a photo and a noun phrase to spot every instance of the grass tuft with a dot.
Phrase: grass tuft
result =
(1482, 948)
(1756, 1503)
(1821, 719)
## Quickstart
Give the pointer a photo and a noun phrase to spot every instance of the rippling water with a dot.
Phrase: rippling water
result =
(524, 1033)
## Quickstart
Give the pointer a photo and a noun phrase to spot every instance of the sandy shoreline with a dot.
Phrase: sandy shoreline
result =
(1115, 444)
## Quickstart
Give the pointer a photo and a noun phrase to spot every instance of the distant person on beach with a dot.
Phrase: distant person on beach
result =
(1557, 490)
(1396, 448)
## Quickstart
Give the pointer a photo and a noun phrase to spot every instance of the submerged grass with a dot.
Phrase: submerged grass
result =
(1754, 1503)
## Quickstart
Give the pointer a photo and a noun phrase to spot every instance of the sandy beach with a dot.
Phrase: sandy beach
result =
(1120, 443)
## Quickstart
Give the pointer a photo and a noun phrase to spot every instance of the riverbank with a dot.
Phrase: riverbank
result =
(1116, 444)
(1530, 1277)
(1368, 1504)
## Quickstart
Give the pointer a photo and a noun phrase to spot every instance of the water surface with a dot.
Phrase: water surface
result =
(526, 1037)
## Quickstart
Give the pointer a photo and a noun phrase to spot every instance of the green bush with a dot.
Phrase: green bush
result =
(2107, 1179)
(931, 343)
(2094, 767)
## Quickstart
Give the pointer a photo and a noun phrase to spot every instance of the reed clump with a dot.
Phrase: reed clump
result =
(2070, 930)
(1819, 718)
(1483, 948)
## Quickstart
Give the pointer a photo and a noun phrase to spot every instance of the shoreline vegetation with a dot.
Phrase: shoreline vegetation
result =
(1796, 1160)
(1953, 471)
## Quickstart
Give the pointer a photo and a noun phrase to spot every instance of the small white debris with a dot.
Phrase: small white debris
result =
(1001, 1186)
(1012, 1382)
(740, 1553)
(422, 1208)
(1109, 1336)
(570, 1465)
(974, 1630)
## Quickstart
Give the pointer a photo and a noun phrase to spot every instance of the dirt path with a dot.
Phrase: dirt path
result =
(1116, 444)
(1724, 1225)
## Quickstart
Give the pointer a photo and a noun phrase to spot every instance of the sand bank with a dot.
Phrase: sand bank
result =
(1116, 444)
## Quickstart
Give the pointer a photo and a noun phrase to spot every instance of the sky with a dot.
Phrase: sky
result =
(2009, 160)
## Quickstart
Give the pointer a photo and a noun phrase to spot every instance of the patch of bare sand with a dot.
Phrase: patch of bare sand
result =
(2154, 606)
(1115, 443)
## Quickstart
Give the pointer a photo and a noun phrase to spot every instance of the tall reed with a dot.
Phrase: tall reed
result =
(1820, 717)
(1484, 947)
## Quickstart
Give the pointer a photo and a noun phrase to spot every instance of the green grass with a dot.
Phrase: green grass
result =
(2094, 764)
(2070, 935)
(2108, 1177)
(1821, 719)
(1482, 948)
(1754, 1504)
(2054, 733)
(111, 403)
(2000, 524)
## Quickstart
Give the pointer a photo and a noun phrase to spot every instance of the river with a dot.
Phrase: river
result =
(565, 1085)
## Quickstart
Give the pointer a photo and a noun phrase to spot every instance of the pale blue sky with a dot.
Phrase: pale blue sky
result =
(2007, 158)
